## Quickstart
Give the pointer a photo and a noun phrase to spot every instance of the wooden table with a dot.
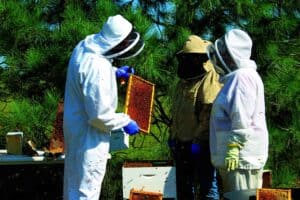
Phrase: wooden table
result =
(8, 159)
(30, 177)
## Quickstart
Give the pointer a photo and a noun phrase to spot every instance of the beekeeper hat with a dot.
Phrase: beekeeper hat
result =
(195, 44)
(120, 39)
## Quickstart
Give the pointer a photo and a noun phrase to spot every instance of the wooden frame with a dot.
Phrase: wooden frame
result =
(142, 195)
(273, 194)
(267, 178)
(139, 101)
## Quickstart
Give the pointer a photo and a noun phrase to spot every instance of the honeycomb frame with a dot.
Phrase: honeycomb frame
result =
(140, 90)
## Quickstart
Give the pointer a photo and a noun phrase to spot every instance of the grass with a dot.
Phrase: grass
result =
(285, 177)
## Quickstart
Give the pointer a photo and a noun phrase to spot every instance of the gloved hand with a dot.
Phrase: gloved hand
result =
(132, 128)
(124, 72)
(171, 143)
(232, 156)
(172, 146)
(195, 149)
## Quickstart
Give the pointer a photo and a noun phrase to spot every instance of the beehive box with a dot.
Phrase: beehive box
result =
(154, 176)
(56, 143)
(267, 179)
(139, 101)
(119, 140)
(14, 143)
(144, 195)
(273, 194)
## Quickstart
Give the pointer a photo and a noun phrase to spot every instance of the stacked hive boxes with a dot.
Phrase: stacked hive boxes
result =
(149, 176)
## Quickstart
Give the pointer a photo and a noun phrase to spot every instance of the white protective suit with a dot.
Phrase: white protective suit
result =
(238, 113)
(89, 111)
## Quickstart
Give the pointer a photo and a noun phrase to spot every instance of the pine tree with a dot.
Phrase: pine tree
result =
(37, 38)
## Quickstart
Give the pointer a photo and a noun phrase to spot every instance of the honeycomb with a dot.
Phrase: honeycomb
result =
(273, 194)
(139, 101)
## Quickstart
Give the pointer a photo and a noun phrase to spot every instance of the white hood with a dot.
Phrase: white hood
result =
(114, 31)
(239, 45)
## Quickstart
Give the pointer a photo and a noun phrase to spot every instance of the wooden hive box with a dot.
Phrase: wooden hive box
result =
(154, 176)
(273, 194)
(267, 178)
(14, 143)
(144, 195)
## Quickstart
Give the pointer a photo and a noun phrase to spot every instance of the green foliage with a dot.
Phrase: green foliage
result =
(282, 84)
(285, 177)
(112, 183)
(34, 119)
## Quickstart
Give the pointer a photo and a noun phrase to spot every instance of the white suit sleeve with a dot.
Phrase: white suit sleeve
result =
(100, 97)
(241, 109)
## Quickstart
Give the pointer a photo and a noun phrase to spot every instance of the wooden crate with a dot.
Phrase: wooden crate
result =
(144, 195)
(267, 179)
(14, 143)
(155, 176)
(273, 194)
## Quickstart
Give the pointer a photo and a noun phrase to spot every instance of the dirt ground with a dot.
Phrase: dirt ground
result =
(34, 182)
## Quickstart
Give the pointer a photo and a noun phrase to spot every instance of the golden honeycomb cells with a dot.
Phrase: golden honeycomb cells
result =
(139, 101)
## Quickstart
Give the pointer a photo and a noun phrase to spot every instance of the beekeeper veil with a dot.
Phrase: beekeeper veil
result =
(119, 39)
(232, 51)
(192, 57)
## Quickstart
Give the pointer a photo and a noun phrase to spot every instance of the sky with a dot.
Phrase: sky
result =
(2, 60)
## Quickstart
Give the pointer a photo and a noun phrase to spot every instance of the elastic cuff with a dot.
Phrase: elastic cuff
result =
(234, 145)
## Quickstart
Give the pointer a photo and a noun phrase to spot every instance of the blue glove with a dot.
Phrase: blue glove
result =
(124, 72)
(132, 128)
(195, 148)
(172, 143)
(172, 146)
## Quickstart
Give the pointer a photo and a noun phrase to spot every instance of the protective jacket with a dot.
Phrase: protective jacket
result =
(89, 115)
(192, 105)
(238, 116)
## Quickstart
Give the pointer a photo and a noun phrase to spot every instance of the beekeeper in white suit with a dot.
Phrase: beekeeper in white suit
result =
(90, 105)
(238, 130)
